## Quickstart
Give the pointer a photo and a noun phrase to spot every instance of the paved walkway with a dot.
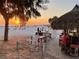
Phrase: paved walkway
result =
(53, 49)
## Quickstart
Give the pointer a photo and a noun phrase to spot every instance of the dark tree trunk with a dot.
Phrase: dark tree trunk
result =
(6, 29)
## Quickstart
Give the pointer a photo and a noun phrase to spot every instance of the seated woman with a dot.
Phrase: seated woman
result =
(64, 42)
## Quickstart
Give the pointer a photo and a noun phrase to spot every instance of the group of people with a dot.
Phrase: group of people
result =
(68, 43)
(39, 31)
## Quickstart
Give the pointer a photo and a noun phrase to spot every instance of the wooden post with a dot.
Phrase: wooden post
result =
(17, 48)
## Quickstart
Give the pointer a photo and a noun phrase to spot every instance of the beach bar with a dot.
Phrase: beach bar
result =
(70, 23)
(67, 21)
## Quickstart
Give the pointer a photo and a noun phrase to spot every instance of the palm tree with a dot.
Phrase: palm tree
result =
(24, 9)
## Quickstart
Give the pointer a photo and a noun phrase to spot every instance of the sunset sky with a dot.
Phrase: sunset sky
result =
(55, 8)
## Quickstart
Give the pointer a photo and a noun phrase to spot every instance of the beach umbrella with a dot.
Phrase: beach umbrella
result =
(69, 20)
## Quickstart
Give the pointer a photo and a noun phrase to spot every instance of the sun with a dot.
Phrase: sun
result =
(17, 21)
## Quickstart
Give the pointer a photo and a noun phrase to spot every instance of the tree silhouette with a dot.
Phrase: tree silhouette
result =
(24, 9)
(52, 19)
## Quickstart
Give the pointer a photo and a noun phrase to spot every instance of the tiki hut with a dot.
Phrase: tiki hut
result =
(69, 20)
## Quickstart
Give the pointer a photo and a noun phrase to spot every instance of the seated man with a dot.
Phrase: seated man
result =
(75, 41)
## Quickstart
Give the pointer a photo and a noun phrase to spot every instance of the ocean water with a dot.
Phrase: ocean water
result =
(29, 31)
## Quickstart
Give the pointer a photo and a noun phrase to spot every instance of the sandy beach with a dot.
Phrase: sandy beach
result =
(8, 50)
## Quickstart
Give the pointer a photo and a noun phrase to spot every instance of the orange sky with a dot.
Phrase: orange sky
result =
(1, 20)
(37, 21)
(32, 21)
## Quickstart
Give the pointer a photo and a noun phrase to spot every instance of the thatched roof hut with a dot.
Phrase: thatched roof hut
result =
(69, 20)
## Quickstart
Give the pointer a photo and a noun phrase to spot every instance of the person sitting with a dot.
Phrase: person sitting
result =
(64, 42)
(60, 39)
(74, 43)
(40, 33)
